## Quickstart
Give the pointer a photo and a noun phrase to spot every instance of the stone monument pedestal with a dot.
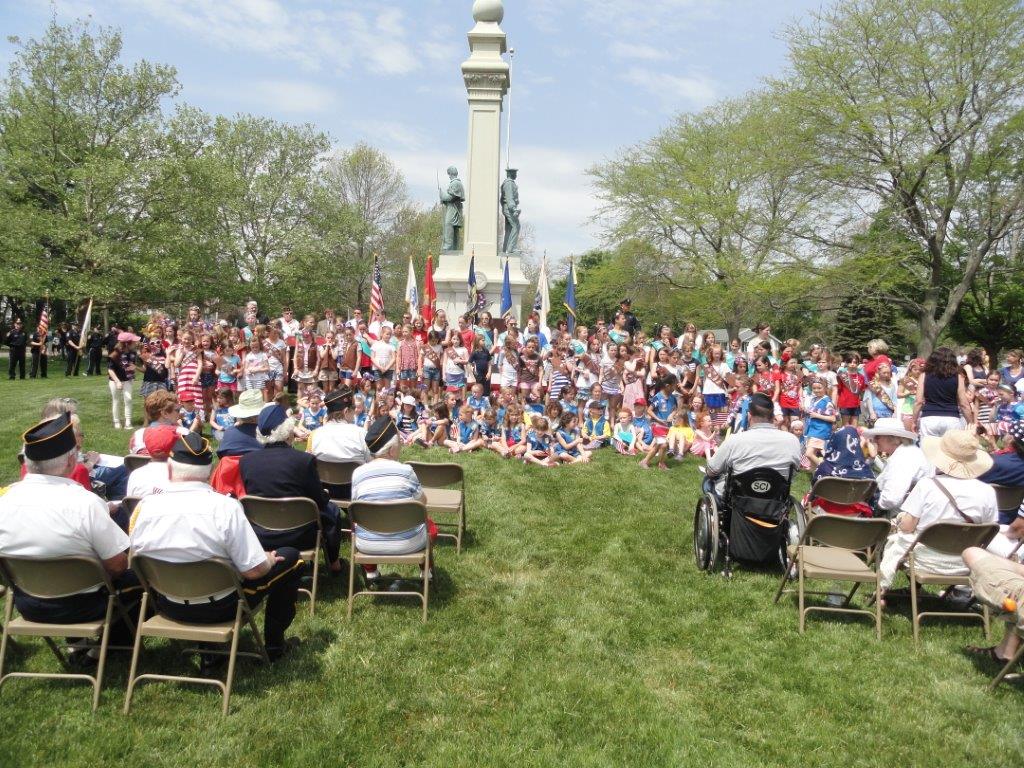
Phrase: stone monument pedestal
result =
(486, 75)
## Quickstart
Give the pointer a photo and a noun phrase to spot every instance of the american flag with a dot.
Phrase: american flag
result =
(44, 319)
(376, 293)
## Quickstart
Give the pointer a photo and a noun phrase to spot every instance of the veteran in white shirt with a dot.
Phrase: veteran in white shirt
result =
(905, 466)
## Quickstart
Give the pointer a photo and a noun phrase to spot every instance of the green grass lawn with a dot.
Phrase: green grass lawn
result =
(574, 630)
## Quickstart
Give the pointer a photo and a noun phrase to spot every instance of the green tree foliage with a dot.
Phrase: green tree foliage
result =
(911, 106)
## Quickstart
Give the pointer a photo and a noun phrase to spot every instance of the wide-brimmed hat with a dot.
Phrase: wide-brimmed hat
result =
(126, 336)
(890, 427)
(957, 454)
(250, 403)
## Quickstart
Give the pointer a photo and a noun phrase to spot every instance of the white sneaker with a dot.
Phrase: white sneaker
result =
(117, 425)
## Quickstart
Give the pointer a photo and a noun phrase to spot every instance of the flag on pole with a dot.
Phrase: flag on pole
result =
(430, 292)
(506, 294)
(570, 297)
(412, 294)
(44, 318)
(376, 292)
(86, 325)
(472, 294)
(542, 299)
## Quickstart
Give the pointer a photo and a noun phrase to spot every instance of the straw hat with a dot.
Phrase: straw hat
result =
(957, 454)
(250, 403)
(890, 427)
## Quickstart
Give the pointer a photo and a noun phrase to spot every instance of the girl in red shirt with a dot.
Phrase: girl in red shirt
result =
(850, 388)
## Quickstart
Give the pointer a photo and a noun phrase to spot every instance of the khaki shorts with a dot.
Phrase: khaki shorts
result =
(816, 442)
(994, 579)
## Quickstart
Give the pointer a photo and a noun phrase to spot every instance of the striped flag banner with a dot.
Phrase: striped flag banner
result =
(376, 291)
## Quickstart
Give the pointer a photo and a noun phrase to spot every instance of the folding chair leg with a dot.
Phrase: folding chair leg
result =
(351, 577)
(1009, 666)
(232, 656)
(986, 620)
(785, 578)
(878, 607)
(426, 583)
(61, 657)
(803, 612)
(261, 645)
(8, 609)
(135, 653)
(104, 641)
(316, 574)
(913, 604)
(462, 524)
(849, 597)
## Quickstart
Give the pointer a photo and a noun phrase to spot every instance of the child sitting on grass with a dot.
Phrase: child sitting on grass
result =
(513, 431)
(313, 413)
(464, 433)
(477, 401)
(490, 433)
(434, 426)
(568, 443)
(705, 438)
(408, 420)
(220, 417)
(626, 436)
(680, 435)
(597, 433)
(538, 443)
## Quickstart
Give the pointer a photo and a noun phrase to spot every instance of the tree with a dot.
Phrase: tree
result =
(81, 150)
(911, 107)
(366, 181)
(715, 196)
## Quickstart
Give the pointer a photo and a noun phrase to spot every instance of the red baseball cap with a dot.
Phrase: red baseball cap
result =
(640, 401)
(159, 440)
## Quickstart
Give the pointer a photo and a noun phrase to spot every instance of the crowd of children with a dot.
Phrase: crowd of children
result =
(552, 397)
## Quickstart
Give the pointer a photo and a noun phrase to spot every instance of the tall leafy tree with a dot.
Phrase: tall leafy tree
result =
(911, 107)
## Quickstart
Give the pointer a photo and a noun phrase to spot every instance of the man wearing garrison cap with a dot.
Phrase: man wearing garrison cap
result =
(48, 515)
(761, 446)
(386, 479)
(190, 522)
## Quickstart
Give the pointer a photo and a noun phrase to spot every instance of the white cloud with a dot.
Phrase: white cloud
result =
(695, 90)
(293, 96)
(623, 50)
(388, 133)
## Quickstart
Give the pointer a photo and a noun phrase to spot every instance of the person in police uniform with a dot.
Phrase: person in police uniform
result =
(191, 522)
(49, 515)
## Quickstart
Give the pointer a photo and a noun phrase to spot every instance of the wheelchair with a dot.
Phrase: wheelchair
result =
(753, 522)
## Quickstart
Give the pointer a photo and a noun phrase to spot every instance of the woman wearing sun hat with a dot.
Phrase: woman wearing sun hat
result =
(954, 495)
(905, 463)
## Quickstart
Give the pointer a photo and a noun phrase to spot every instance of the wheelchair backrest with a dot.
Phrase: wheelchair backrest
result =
(765, 484)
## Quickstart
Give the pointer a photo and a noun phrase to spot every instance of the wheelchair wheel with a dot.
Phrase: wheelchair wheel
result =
(795, 531)
(706, 534)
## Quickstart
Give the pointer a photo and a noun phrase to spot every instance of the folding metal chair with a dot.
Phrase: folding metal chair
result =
(334, 473)
(192, 581)
(385, 518)
(1008, 498)
(1013, 662)
(949, 539)
(442, 499)
(134, 461)
(838, 548)
(289, 514)
(48, 579)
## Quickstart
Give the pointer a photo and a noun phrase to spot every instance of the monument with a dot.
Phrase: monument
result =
(487, 79)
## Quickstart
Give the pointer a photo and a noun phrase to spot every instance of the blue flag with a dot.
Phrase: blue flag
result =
(506, 294)
(472, 294)
(570, 298)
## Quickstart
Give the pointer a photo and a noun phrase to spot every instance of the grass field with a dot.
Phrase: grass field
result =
(574, 630)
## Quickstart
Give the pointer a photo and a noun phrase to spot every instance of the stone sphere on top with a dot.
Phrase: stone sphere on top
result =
(488, 11)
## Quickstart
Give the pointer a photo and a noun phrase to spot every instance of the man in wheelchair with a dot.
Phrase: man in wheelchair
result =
(744, 513)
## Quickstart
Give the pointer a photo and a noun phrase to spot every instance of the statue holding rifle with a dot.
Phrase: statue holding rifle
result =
(452, 199)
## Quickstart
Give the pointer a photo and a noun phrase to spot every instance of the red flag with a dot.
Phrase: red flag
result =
(429, 292)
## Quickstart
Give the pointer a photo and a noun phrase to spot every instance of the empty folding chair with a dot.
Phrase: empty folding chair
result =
(445, 487)
(333, 474)
(948, 539)
(838, 548)
(386, 518)
(192, 581)
(47, 579)
(289, 514)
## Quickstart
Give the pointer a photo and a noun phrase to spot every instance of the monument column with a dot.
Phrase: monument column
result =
(486, 75)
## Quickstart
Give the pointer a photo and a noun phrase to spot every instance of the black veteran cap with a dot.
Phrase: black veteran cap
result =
(338, 400)
(380, 433)
(50, 439)
(192, 449)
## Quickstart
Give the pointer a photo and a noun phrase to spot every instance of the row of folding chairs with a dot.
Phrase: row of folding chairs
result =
(848, 549)
(47, 579)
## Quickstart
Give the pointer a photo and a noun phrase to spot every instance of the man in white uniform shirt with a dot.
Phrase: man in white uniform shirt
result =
(339, 439)
(152, 477)
(190, 522)
(905, 467)
(48, 515)
(289, 325)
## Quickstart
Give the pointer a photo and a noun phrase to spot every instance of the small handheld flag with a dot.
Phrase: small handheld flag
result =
(472, 294)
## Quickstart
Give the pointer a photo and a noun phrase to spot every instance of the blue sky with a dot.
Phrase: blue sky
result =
(590, 77)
